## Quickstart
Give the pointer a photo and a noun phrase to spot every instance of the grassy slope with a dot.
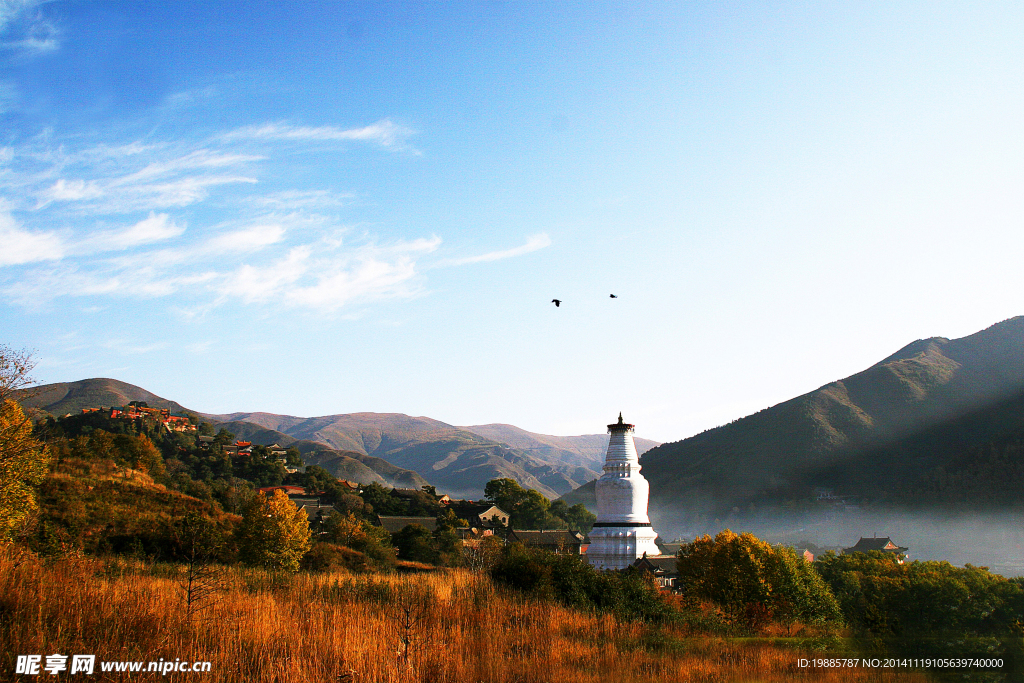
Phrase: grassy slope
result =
(96, 500)
(325, 628)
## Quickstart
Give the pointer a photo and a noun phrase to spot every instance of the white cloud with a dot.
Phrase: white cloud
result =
(23, 246)
(153, 229)
(248, 239)
(119, 280)
(533, 243)
(371, 277)
(71, 190)
(255, 284)
(331, 281)
(385, 132)
(177, 193)
(199, 159)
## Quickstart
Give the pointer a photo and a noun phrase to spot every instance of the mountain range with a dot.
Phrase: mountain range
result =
(387, 448)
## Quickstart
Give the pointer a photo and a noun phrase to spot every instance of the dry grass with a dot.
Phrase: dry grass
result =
(331, 627)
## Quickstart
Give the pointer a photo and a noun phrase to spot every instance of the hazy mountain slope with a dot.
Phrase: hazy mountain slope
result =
(463, 463)
(360, 432)
(62, 398)
(277, 423)
(351, 465)
(788, 448)
(358, 467)
(972, 460)
(586, 451)
(248, 431)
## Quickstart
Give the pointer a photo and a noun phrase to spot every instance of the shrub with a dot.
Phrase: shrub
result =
(574, 583)
(324, 557)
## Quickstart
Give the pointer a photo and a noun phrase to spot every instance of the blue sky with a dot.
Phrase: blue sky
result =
(317, 208)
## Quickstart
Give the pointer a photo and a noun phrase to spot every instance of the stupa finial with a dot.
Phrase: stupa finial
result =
(620, 417)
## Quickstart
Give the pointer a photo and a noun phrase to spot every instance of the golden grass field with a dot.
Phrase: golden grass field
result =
(310, 628)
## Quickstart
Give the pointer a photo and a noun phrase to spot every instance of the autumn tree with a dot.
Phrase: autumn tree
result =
(273, 533)
(753, 580)
(23, 458)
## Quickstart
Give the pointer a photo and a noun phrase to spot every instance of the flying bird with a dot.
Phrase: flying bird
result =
(556, 302)
(613, 296)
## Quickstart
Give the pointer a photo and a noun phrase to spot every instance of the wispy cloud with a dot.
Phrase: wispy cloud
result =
(533, 243)
(163, 183)
(291, 200)
(71, 227)
(24, 29)
(156, 228)
(385, 133)
(9, 95)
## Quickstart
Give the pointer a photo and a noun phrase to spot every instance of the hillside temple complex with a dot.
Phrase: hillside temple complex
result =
(622, 533)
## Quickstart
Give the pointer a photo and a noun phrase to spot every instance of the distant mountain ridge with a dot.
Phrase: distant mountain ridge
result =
(388, 448)
(62, 398)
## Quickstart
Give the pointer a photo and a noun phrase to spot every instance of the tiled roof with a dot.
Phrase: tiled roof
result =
(663, 563)
(554, 537)
(396, 524)
(867, 544)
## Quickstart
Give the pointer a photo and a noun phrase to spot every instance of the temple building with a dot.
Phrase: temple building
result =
(622, 533)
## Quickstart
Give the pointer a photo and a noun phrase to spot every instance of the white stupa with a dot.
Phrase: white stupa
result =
(623, 532)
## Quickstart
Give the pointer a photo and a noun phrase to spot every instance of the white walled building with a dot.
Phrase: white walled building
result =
(623, 532)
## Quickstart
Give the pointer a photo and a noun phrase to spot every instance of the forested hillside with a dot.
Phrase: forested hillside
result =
(936, 412)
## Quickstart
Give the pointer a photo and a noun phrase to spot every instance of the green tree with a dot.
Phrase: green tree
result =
(141, 453)
(415, 542)
(571, 581)
(505, 493)
(273, 533)
(381, 500)
(882, 597)
(575, 518)
(527, 508)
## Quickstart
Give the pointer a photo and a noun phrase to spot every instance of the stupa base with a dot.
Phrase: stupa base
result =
(618, 547)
